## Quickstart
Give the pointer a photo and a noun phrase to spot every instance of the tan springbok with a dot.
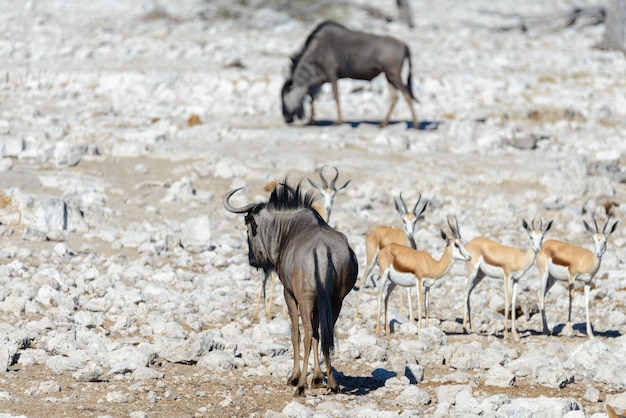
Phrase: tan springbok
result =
(383, 236)
(568, 263)
(492, 259)
(404, 266)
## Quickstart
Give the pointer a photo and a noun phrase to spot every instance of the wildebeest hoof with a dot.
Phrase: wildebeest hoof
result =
(293, 380)
(299, 391)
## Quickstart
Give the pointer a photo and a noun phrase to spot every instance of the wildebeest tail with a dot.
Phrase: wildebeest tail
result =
(409, 78)
(325, 283)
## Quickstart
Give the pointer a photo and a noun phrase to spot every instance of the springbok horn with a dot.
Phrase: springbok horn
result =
(454, 232)
(455, 229)
(403, 204)
(324, 182)
(233, 209)
(595, 222)
(608, 218)
(332, 182)
(417, 203)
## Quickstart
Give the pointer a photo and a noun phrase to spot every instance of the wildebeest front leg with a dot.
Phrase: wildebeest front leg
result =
(394, 99)
(292, 307)
(339, 120)
(312, 117)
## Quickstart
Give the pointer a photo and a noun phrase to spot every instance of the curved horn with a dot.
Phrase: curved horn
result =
(451, 227)
(403, 204)
(595, 222)
(419, 197)
(233, 209)
(324, 182)
(608, 218)
(455, 229)
(332, 182)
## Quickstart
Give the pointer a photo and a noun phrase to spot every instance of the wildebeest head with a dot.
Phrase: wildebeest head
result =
(257, 254)
(292, 98)
(261, 221)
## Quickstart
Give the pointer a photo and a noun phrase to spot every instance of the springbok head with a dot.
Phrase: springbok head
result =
(600, 237)
(328, 190)
(459, 252)
(536, 233)
(409, 218)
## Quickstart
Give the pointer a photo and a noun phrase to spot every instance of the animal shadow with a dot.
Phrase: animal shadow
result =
(581, 330)
(425, 125)
(363, 385)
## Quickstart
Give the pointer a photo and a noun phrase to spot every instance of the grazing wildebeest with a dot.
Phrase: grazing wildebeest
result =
(332, 52)
(315, 264)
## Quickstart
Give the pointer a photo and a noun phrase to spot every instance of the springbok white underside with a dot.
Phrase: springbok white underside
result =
(407, 279)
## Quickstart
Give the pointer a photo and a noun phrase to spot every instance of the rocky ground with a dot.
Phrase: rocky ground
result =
(125, 287)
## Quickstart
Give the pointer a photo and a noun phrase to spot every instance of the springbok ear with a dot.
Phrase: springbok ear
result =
(344, 186)
(422, 210)
(444, 236)
(613, 228)
(397, 206)
(548, 226)
(525, 225)
(313, 184)
(588, 228)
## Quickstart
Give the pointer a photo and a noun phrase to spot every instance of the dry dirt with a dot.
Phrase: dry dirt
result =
(189, 391)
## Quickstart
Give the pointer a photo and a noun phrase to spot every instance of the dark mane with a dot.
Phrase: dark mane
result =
(285, 197)
(295, 58)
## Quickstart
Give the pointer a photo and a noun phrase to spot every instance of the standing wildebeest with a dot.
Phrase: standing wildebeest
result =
(332, 52)
(315, 264)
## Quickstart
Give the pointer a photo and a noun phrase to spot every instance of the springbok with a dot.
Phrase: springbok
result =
(313, 261)
(382, 236)
(492, 259)
(404, 266)
(565, 262)
(332, 52)
(328, 190)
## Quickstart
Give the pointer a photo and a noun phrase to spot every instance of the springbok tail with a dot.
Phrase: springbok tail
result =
(325, 294)
(406, 67)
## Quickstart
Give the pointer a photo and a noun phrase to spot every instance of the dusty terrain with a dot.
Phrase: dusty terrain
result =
(512, 125)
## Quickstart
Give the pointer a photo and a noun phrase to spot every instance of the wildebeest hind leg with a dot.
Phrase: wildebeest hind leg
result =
(409, 102)
(307, 330)
(295, 337)
(318, 376)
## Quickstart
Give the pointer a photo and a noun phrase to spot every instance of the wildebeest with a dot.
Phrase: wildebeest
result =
(332, 52)
(315, 264)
